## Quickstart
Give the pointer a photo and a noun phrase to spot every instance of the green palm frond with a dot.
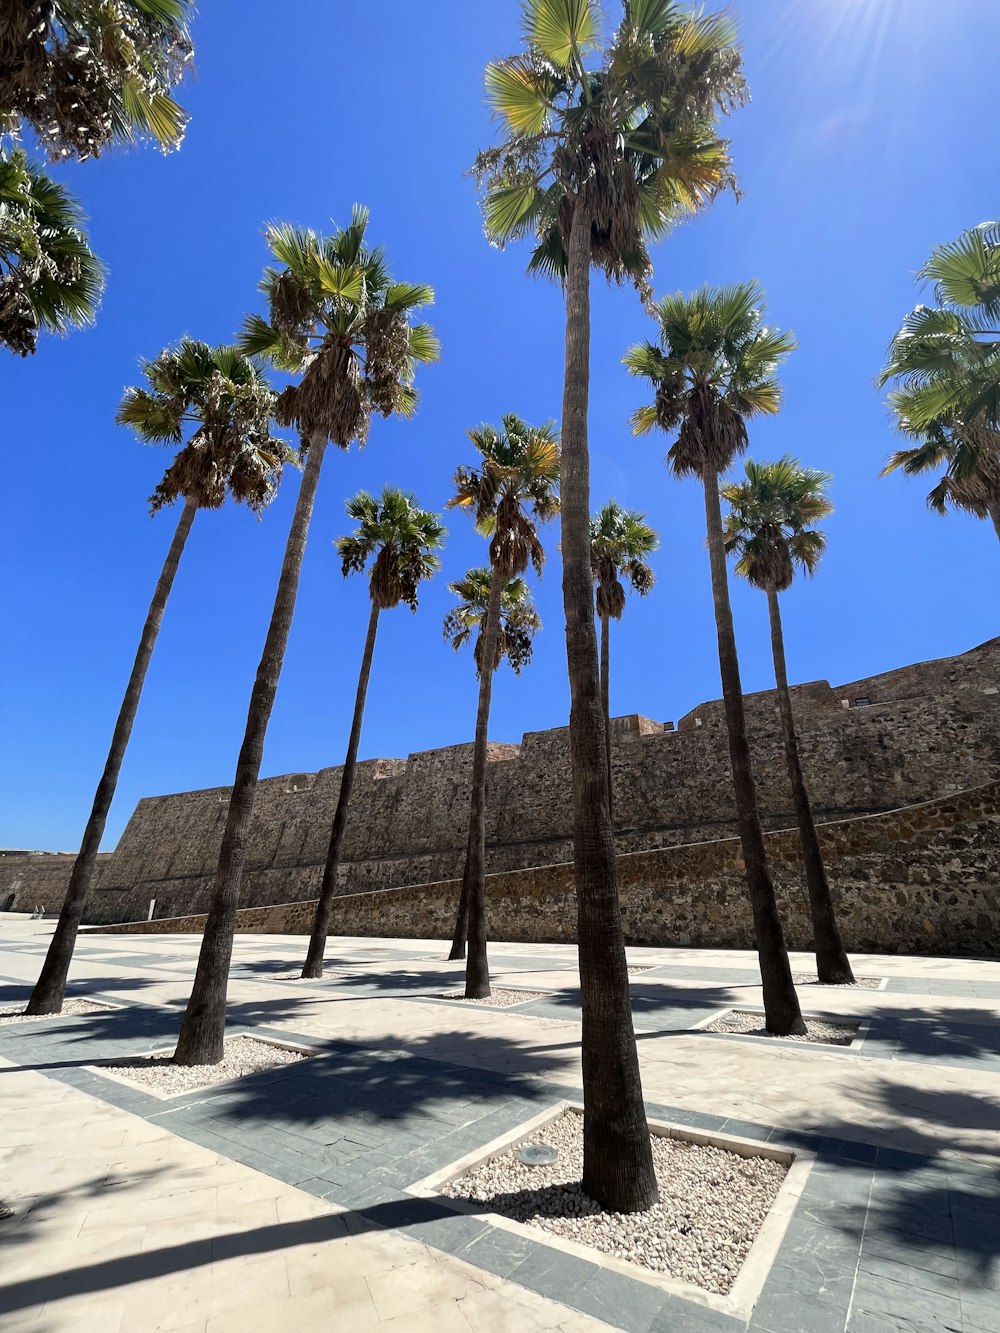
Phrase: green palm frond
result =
(50, 279)
(519, 621)
(400, 538)
(768, 524)
(628, 132)
(713, 368)
(620, 539)
(220, 399)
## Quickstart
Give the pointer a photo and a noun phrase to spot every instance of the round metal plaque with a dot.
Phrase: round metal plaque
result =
(537, 1154)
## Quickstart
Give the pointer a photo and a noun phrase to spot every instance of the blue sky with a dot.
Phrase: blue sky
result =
(866, 142)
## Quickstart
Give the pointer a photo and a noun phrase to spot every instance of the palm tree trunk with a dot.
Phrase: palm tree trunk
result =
(477, 968)
(994, 510)
(50, 989)
(461, 935)
(781, 1004)
(832, 963)
(606, 707)
(321, 922)
(617, 1159)
(203, 1030)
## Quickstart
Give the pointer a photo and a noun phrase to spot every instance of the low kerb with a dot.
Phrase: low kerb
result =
(745, 1291)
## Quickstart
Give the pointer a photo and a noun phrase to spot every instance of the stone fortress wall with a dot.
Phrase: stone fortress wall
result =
(926, 732)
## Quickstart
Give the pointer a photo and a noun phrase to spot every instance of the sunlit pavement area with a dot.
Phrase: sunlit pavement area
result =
(281, 1200)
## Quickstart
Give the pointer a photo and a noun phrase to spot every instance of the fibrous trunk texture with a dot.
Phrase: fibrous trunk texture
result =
(477, 969)
(50, 989)
(606, 707)
(994, 510)
(617, 1160)
(781, 1004)
(202, 1034)
(321, 921)
(832, 964)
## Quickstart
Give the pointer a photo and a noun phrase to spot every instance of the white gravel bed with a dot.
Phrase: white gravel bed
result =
(712, 1203)
(859, 983)
(648, 967)
(243, 1055)
(752, 1025)
(499, 998)
(14, 1013)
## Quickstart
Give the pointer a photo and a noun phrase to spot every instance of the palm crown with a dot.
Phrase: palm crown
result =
(224, 395)
(515, 487)
(519, 621)
(945, 365)
(85, 74)
(403, 539)
(619, 541)
(49, 277)
(628, 133)
(713, 368)
(337, 317)
(767, 527)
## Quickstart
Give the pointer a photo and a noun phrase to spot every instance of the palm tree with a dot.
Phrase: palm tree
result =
(513, 489)
(404, 541)
(768, 529)
(49, 277)
(714, 368)
(517, 626)
(619, 539)
(602, 152)
(85, 74)
(945, 364)
(221, 398)
(339, 320)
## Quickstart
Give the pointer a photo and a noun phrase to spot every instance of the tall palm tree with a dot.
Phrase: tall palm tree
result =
(512, 490)
(85, 73)
(404, 542)
(221, 399)
(337, 319)
(517, 626)
(49, 277)
(603, 150)
(712, 369)
(768, 529)
(944, 363)
(619, 541)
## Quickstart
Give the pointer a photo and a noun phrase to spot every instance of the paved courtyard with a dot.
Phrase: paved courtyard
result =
(283, 1200)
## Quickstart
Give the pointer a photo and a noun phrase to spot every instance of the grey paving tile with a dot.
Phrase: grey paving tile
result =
(498, 1251)
(898, 1298)
(935, 1258)
(981, 1311)
(623, 1302)
(925, 1279)
(680, 1316)
(553, 1273)
(788, 1312)
(747, 1129)
(872, 1321)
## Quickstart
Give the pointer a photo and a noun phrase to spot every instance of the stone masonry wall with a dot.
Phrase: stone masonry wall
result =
(925, 879)
(929, 730)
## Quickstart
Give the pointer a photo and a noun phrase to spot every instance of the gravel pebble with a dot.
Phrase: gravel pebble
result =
(243, 1055)
(499, 998)
(712, 1203)
(752, 1025)
(14, 1013)
(297, 976)
(859, 983)
(647, 968)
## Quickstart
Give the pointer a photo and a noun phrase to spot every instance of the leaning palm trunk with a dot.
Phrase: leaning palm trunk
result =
(606, 708)
(832, 963)
(321, 921)
(50, 989)
(202, 1035)
(994, 511)
(781, 1004)
(477, 968)
(617, 1158)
